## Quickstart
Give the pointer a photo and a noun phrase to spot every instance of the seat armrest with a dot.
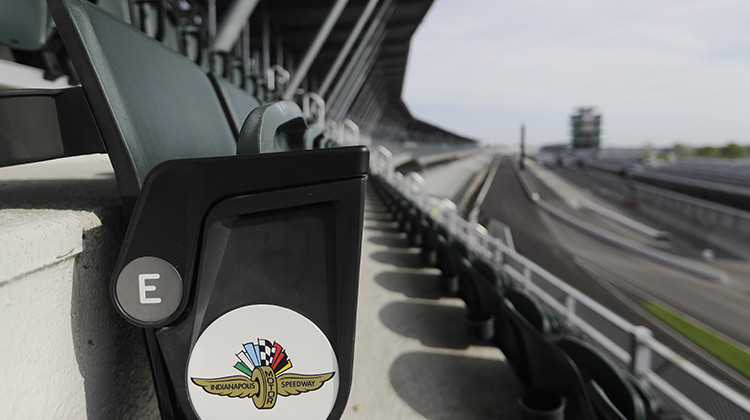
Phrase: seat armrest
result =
(274, 127)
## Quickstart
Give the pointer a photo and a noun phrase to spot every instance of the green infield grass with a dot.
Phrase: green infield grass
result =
(722, 348)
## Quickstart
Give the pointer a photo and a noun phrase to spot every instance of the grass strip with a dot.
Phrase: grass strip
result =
(723, 349)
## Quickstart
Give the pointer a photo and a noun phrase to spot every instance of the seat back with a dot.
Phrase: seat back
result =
(24, 25)
(507, 337)
(489, 287)
(237, 103)
(530, 309)
(611, 391)
(548, 367)
(151, 104)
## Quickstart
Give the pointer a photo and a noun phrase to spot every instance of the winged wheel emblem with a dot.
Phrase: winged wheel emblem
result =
(263, 366)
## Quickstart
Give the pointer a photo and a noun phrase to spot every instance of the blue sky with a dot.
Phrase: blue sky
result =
(658, 71)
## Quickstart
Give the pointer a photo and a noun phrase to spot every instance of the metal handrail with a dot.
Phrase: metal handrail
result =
(271, 76)
(321, 104)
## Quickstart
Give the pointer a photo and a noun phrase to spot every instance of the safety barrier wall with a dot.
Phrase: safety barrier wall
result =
(675, 379)
(706, 212)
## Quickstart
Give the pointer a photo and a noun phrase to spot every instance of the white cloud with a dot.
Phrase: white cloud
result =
(658, 71)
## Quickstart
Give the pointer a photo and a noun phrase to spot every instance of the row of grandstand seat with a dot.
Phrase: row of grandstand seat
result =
(139, 90)
(728, 172)
(548, 357)
(181, 26)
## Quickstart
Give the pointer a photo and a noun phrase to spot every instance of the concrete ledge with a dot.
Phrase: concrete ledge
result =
(32, 239)
(65, 352)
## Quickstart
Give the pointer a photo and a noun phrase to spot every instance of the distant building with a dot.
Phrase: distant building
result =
(585, 129)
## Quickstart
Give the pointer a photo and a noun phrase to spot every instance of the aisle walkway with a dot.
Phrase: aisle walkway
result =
(413, 358)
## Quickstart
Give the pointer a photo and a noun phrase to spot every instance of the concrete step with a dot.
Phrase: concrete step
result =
(413, 356)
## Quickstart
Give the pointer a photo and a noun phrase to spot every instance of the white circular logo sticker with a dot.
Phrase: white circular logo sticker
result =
(262, 361)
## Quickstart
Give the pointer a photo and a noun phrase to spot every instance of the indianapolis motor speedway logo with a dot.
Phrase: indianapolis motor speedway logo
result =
(262, 365)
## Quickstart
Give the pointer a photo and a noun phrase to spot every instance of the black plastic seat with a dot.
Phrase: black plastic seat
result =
(25, 25)
(487, 281)
(612, 394)
(150, 103)
(428, 252)
(220, 231)
(549, 369)
(445, 260)
(413, 232)
(236, 102)
(508, 338)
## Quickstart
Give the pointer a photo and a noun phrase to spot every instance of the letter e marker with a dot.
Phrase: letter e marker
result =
(143, 288)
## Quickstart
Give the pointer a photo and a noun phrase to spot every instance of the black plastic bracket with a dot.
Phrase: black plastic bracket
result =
(293, 220)
(43, 124)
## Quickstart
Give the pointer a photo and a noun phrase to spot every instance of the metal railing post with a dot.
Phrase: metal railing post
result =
(271, 76)
(320, 102)
(640, 353)
(354, 129)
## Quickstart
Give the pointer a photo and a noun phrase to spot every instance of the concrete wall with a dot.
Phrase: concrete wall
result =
(64, 352)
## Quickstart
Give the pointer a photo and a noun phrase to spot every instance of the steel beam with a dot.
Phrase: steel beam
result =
(231, 26)
(359, 76)
(280, 51)
(314, 49)
(211, 20)
(366, 55)
(266, 43)
(378, 22)
(353, 35)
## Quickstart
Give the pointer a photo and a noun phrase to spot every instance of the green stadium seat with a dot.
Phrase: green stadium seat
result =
(151, 104)
(549, 369)
(202, 213)
(237, 102)
(24, 25)
(611, 392)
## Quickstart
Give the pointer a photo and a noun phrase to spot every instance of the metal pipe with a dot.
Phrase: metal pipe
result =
(373, 90)
(231, 26)
(361, 72)
(355, 67)
(279, 50)
(266, 43)
(375, 25)
(358, 108)
(353, 35)
(371, 110)
(211, 20)
(315, 47)
(375, 122)
(245, 54)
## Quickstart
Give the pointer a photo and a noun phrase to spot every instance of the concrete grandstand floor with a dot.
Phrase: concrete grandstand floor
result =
(413, 358)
